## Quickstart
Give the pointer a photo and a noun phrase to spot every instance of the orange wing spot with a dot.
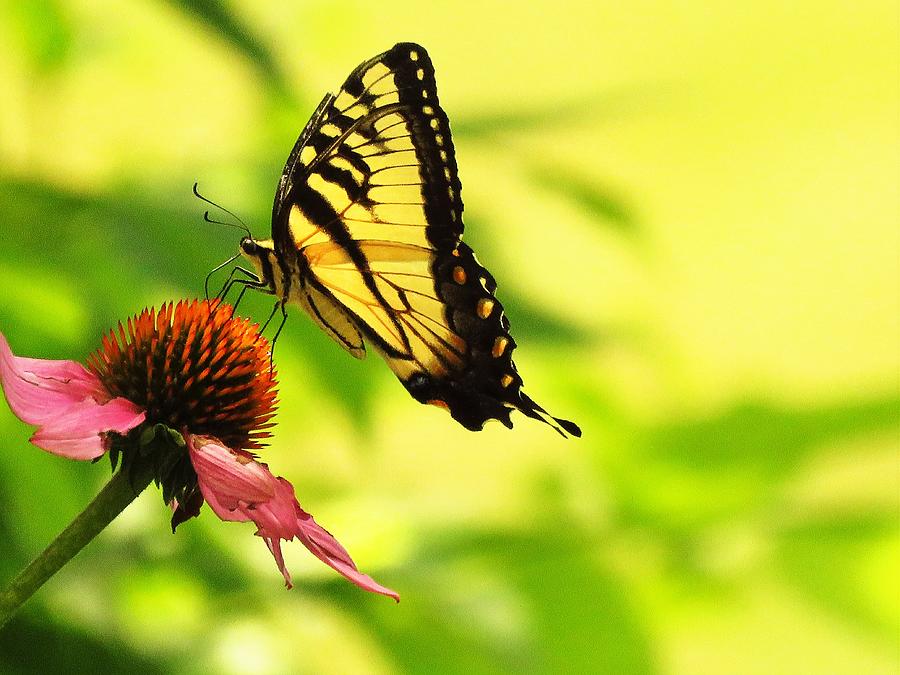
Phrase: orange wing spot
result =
(499, 347)
(459, 275)
(506, 380)
(439, 403)
(455, 252)
(484, 308)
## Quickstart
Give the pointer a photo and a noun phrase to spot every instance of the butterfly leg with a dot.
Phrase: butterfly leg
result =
(216, 269)
(271, 314)
(240, 297)
(251, 280)
(281, 325)
(245, 284)
(284, 316)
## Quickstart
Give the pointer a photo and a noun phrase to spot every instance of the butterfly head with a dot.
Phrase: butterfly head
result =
(261, 254)
(249, 247)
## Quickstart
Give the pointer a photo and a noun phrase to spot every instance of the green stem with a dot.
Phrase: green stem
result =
(118, 493)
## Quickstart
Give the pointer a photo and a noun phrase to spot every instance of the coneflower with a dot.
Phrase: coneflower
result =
(181, 397)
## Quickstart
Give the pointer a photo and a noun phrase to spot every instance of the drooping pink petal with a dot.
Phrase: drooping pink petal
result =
(238, 488)
(66, 402)
(232, 475)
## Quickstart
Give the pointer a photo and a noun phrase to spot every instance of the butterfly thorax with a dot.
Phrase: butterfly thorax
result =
(285, 277)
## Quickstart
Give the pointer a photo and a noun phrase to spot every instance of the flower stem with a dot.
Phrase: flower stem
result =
(118, 493)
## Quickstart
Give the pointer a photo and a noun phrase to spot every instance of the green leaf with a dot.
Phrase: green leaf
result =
(242, 37)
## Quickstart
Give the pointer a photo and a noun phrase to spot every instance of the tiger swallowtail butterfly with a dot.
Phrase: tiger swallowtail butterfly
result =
(366, 238)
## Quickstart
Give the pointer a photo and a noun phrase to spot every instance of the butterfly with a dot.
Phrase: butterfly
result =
(366, 238)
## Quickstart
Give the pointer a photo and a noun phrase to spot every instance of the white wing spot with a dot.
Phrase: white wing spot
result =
(428, 110)
(413, 56)
(420, 73)
(435, 124)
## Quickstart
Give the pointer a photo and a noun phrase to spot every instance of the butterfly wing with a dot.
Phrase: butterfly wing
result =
(369, 213)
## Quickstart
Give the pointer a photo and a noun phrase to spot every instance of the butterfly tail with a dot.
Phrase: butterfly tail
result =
(531, 408)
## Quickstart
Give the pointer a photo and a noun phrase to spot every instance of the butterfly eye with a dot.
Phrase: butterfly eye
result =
(249, 246)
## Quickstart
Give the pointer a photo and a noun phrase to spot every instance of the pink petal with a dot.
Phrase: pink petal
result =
(75, 433)
(37, 389)
(229, 479)
(66, 402)
(238, 488)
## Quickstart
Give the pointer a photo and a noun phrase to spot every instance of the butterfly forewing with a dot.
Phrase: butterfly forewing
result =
(369, 214)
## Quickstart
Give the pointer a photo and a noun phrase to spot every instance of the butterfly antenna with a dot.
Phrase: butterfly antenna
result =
(242, 226)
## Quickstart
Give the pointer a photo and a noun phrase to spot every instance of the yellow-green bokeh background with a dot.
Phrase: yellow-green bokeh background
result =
(692, 211)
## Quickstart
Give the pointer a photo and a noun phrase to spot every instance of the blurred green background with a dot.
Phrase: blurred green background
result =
(692, 211)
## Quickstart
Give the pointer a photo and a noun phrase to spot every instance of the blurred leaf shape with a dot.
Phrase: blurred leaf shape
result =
(44, 31)
(599, 201)
(700, 473)
(130, 227)
(567, 613)
(826, 560)
(42, 645)
(765, 438)
(216, 16)
(688, 481)
(528, 118)
(521, 118)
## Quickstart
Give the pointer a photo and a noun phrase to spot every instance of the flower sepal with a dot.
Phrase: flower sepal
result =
(161, 449)
(160, 430)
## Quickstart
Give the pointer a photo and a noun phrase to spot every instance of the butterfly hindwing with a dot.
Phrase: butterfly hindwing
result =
(369, 214)
(333, 319)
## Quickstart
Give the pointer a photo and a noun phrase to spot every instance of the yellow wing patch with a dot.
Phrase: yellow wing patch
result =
(405, 314)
